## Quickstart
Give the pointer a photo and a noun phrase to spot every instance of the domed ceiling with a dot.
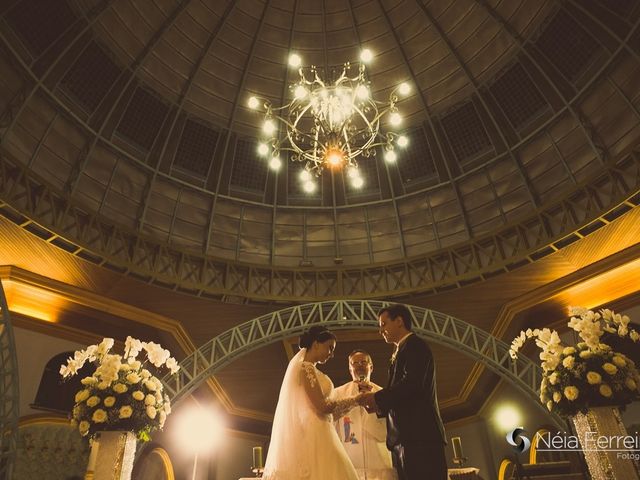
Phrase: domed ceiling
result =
(125, 131)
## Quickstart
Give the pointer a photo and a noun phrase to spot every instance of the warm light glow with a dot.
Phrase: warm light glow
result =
(357, 182)
(353, 172)
(395, 118)
(366, 55)
(305, 176)
(335, 158)
(263, 149)
(198, 430)
(403, 141)
(32, 312)
(300, 92)
(253, 103)
(34, 302)
(275, 163)
(269, 127)
(404, 89)
(507, 418)
(362, 92)
(309, 186)
(390, 156)
(605, 287)
(294, 60)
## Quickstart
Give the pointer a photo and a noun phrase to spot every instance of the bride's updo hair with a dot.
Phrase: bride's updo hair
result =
(315, 334)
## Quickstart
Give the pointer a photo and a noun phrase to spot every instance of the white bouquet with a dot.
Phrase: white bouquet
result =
(121, 394)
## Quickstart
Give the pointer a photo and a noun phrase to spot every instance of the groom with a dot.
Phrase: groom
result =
(415, 434)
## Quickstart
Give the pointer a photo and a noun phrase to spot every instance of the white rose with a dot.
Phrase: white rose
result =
(82, 395)
(133, 377)
(150, 385)
(120, 388)
(151, 412)
(150, 400)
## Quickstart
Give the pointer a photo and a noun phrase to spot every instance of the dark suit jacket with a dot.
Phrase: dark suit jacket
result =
(409, 402)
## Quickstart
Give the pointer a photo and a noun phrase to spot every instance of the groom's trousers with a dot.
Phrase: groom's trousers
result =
(419, 461)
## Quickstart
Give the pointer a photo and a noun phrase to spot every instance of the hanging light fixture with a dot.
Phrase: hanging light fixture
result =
(328, 124)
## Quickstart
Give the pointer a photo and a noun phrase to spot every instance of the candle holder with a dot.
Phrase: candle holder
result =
(459, 461)
(257, 471)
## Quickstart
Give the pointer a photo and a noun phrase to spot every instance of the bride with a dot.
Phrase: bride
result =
(304, 443)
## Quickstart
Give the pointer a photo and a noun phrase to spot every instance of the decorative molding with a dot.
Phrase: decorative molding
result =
(75, 295)
(30, 201)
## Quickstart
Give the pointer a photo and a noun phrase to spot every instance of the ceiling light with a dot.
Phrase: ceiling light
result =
(300, 92)
(275, 163)
(269, 127)
(357, 182)
(263, 149)
(404, 89)
(295, 60)
(390, 156)
(331, 123)
(353, 172)
(403, 141)
(309, 186)
(253, 103)
(366, 55)
(305, 176)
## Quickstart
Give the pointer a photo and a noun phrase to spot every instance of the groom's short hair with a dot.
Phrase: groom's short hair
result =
(398, 310)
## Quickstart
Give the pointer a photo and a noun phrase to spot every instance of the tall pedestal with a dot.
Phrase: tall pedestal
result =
(111, 457)
(604, 464)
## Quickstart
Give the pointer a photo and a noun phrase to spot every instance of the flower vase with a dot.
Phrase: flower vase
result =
(112, 455)
(604, 463)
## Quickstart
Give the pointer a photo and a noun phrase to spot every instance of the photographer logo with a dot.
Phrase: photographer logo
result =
(519, 442)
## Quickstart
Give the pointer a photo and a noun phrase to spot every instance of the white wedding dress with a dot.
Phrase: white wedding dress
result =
(304, 444)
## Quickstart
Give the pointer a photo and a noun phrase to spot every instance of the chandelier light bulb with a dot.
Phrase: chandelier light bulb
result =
(357, 182)
(305, 176)
(263, 149)
(253, 103)
(362, 92)
(335, 158)
(366, 55)
(275, 163)
(309, 186)
(353, 172)
(390, 156)
(404, 88)
(403, 141)
(300, 92)
(269, 127)
(294, 60)
(395, 118)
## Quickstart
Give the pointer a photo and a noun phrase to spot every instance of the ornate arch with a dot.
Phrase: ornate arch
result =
(435, 326)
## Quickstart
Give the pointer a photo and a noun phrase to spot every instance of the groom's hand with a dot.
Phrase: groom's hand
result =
(368, 401)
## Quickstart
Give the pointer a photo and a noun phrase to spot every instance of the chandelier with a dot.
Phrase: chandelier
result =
(330, 122)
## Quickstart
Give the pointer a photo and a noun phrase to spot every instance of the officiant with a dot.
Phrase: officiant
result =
(363, 435)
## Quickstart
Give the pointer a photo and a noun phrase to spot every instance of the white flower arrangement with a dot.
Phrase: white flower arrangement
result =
(590, 374)
(121, 394)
